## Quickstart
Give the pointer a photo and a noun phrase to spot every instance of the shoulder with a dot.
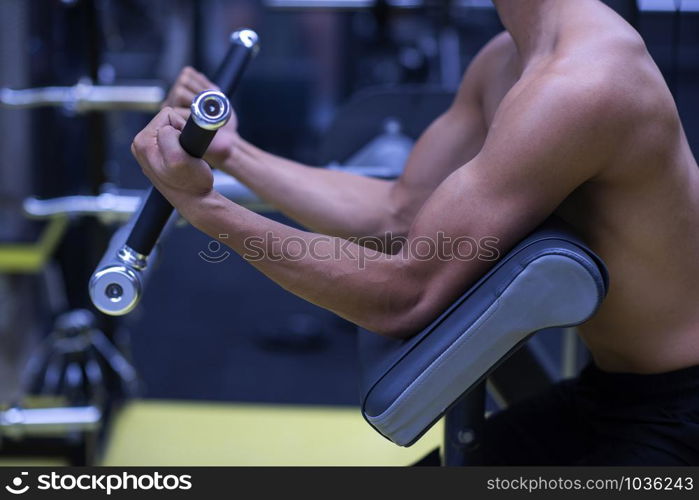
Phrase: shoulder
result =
(592, 105)
(487, 66)
(495, 56)
(553, 101)
(611, 82)
(553, 123)
(500, 45)
(582, 111)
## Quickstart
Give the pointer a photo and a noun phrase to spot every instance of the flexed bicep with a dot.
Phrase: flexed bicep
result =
(536, 154)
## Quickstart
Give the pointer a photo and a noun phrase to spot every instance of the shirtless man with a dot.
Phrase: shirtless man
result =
(564, 113)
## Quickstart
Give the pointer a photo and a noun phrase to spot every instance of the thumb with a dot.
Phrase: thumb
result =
(183, 112)
(175, 118)
(172, 153)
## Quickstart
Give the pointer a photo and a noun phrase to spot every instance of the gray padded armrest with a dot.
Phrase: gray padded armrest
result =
(551, 279)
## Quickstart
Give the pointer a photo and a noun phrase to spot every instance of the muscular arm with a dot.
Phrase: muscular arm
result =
(346, 205)
(542, 145)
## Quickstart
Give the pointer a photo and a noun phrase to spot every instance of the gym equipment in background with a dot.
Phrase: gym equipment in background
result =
(117, 285)
(77, 375)
(85, 97)
(426, 52)
(72, 381)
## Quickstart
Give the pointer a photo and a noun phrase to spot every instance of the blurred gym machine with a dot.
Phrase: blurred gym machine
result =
(71, 392)
(76, 375)
(85, 97)
(401, 41)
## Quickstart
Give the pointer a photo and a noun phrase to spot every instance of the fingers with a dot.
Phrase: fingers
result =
(200, 81)
(189, 83)
(166, 116)
(184, 89)
(183, 112)
(192, 80)
(179, 169)
(170, 150)
(179, 96)
(163, 160)
(175, 119)
(145, 147)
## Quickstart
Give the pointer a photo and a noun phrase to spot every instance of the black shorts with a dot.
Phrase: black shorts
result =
(602, 418)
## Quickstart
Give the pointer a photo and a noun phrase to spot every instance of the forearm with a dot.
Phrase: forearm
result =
(359, 284)
(326, 201)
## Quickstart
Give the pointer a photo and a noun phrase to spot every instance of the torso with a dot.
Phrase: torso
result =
(641, 214)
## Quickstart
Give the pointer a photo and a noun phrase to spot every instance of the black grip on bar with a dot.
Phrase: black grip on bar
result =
(242, 49)
(195, 139)
(151, 219)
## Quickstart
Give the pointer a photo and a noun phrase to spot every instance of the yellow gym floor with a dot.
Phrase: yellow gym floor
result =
(162, 433)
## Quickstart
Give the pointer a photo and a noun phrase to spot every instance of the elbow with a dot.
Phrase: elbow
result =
(396, 219)
(403, 216)
(399, 219)
(402, 323)
(410, 300)
(400, 327)
(395, 331)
